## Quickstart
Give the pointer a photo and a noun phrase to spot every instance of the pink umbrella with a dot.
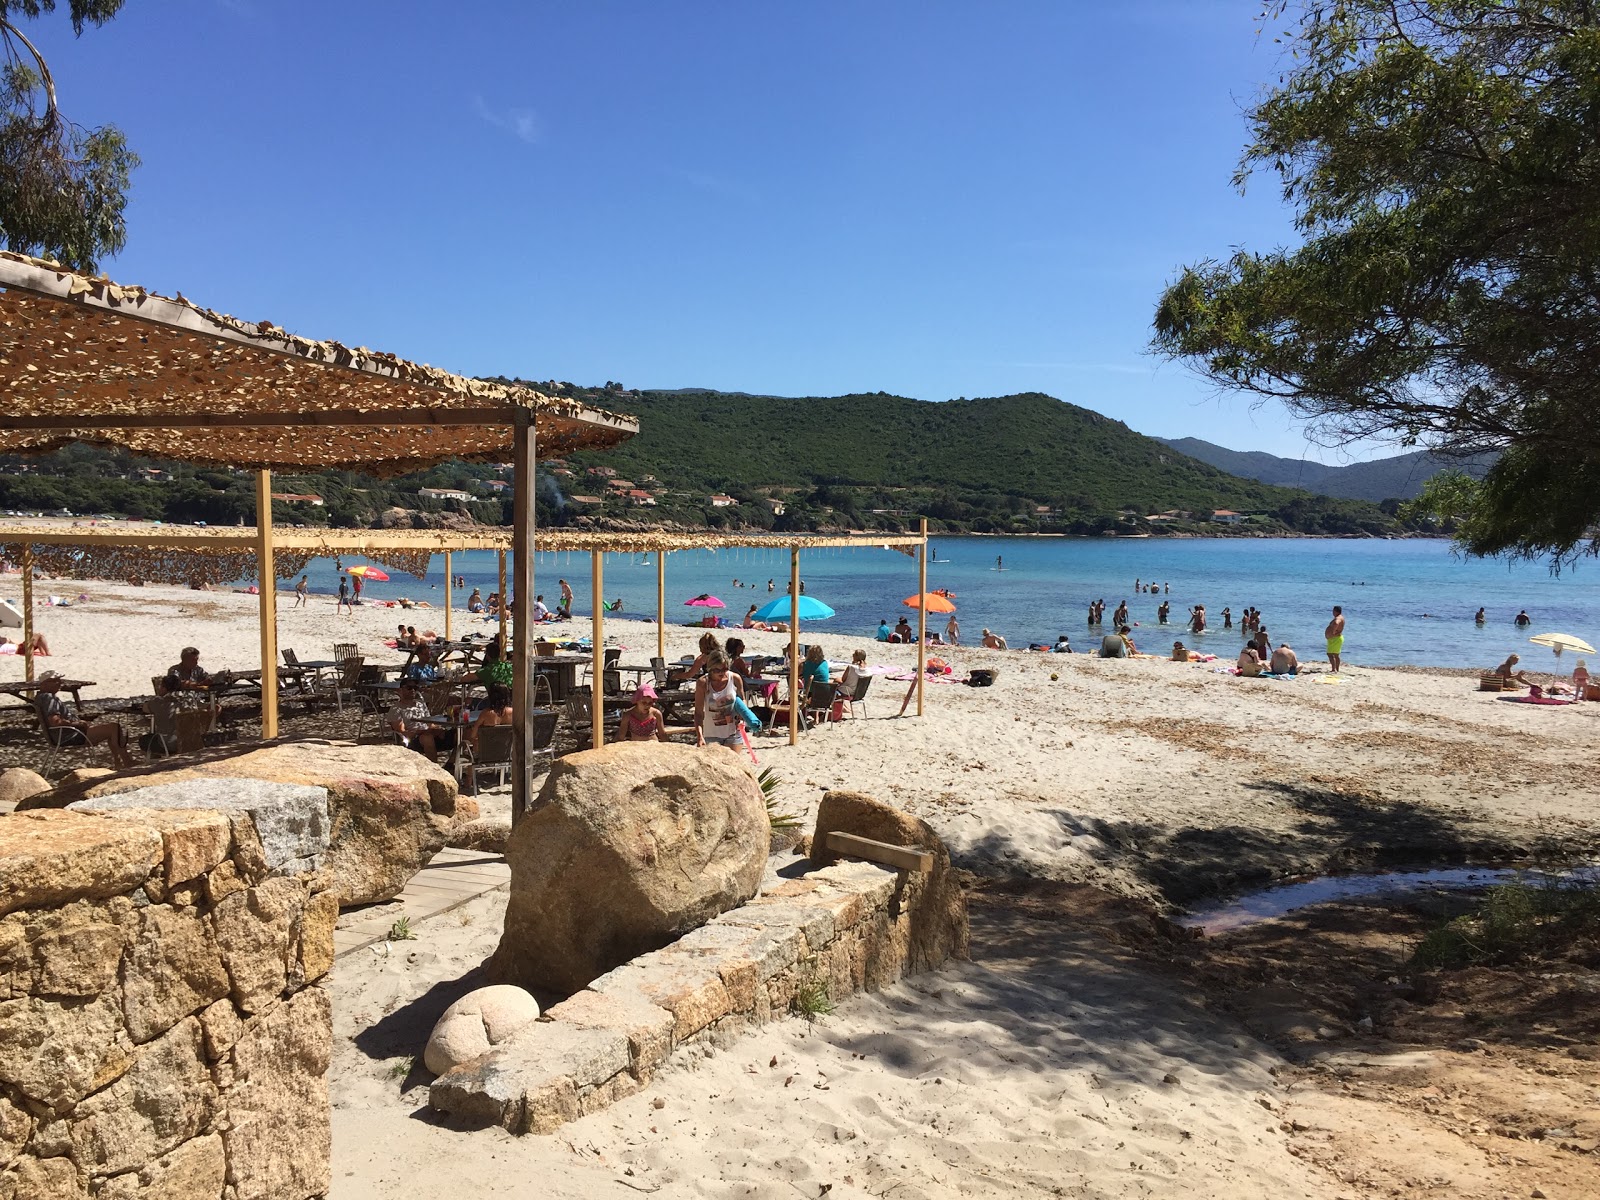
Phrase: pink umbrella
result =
(705, 601)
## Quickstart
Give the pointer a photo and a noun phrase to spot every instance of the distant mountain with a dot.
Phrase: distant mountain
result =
(1397, 478)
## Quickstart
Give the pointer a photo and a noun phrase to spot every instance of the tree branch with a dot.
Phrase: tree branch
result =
(8, 30)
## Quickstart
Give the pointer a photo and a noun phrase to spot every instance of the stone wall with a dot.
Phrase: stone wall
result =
(829, 931)
(162, 1036)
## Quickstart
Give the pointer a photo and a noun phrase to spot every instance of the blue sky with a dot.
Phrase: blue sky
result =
(934, 199)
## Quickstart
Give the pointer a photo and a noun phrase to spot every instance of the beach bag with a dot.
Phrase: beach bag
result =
(980, 677)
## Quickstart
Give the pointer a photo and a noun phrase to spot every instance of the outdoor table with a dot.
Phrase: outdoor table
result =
(635, 670)
(70, 686)
(561, 670)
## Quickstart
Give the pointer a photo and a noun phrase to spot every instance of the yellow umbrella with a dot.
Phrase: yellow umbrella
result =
(1562, 641)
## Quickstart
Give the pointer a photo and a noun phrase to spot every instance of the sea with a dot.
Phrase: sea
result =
(1406, 601)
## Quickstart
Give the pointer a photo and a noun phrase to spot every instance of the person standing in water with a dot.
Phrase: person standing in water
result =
(1480, 618)
(1335, 635)
(999, 563)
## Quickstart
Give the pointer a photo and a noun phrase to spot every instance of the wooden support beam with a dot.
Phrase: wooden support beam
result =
(922, 615)
(449, 590)
(597, 693)
(794, 646)
(267, 581)
(505, 600)
(661, 603)
(27, 611)
(524, 456)
(904, 858)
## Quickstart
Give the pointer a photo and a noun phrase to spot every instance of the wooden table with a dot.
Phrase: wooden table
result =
(561, 670)
(70, 686)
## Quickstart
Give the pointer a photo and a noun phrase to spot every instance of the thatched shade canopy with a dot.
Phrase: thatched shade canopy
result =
(88, 360)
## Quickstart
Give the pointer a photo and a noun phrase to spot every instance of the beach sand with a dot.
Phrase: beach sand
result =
(1055, 1062)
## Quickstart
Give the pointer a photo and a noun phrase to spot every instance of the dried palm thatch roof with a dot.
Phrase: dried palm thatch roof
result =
(85, 359)
(182, 555)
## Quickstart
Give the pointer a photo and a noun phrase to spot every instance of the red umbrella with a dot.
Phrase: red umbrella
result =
(369, 573)
(703, 600)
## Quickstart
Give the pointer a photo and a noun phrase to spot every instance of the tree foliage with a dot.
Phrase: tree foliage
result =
(1443, 157)
(63, 188)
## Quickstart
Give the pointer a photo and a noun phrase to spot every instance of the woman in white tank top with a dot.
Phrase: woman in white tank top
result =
(714, 695)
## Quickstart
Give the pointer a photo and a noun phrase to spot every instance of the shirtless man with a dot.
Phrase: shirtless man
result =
(1335, 635)
(1285, 661)
(993, 641)
(952, 631)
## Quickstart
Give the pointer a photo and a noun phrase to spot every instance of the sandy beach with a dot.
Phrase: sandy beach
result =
(1063, 1059)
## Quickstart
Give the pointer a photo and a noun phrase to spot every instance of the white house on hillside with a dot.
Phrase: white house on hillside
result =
(443, 494)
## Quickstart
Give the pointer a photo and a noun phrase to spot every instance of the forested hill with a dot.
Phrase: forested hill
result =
(1011, 464)
(1031, 445)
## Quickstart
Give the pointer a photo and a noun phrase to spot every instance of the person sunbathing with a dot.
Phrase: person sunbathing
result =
(993, 641)
(1285, 661)
(40, 646)
(1249, 661)
(1509, 674)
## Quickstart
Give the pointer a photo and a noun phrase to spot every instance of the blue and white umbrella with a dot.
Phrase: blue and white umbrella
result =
(811, 609)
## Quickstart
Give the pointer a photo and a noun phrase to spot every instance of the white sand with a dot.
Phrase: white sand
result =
(1008, 1076)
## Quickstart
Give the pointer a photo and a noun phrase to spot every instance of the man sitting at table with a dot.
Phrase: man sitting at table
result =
(409, 721)
(63, 730)
(187, 681)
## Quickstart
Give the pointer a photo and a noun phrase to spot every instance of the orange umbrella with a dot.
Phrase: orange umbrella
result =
(935, 602)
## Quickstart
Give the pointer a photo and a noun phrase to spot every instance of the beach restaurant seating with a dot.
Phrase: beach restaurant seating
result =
(345, 682)
(858, 698)
(580, 717)
(822, 703)
(497, 743)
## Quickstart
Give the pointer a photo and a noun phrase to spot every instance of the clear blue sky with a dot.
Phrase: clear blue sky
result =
(930, 198)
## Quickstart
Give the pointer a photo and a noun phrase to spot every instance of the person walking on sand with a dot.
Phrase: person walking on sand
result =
(301, 600)
(952, 631)
(1335, 635)
(356, 598)
(343, 602)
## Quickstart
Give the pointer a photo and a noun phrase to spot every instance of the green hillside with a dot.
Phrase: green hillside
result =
(1012, 464)
(979, 463)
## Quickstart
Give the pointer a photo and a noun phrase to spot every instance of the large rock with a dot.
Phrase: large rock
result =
(477, 1023)
(19, 783)
(627, 847)
(391, 810)
(48, 858)
(291, 819)
(935, 901)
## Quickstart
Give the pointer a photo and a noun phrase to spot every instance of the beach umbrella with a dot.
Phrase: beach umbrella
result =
(369, 573)
(934, 602)
(705, 601)
(1562, 641)
(811, 609)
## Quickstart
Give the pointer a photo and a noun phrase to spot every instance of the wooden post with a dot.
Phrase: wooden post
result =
(794, 645)
(267, 579)
(524, 458)
(597, 707)
(505, 600)
(449, 586)
(27, 611)
(661, 603)
(922, 615)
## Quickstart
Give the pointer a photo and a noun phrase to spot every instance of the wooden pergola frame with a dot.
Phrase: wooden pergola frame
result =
(86, 359)
(370, 542)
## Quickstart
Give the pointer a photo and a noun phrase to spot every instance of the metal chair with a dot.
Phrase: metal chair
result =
(819, 701)
(859, 696)
(580, 717)
(348, 680)
(497, 747)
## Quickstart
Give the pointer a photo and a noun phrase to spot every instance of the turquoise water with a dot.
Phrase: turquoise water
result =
(1408, 601)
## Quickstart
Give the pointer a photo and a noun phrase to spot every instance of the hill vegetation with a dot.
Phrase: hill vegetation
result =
(1013, 464)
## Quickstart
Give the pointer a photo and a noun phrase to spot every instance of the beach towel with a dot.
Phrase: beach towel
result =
(1533, 700)
(742, 712)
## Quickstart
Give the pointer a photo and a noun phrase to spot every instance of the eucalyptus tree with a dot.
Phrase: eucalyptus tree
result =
(63, 188)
